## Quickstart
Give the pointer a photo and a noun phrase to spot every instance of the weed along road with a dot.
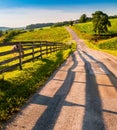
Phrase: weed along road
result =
(80, 95)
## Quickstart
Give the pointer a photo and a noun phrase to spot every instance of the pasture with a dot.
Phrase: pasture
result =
(55, 34)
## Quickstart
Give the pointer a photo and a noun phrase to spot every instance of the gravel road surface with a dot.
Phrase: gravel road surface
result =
(80, 95)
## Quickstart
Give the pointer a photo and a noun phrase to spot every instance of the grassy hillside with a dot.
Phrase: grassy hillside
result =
(107, 43)
(88, 27)
(113, 28)
(55, 34)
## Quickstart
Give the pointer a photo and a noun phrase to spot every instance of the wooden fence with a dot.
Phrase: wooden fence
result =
(32, 50)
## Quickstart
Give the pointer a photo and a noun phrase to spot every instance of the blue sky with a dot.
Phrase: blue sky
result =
(16, 13)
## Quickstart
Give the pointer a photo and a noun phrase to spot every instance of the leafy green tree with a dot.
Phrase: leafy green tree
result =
(100, 22)
(1, 33)
(71, 23)
(83, 18)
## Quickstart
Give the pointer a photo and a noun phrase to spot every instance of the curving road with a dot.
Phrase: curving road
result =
(80, 95)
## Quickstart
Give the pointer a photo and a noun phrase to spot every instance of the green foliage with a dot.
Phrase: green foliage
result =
(10, 34)
(71, 23)
(83, 18)
(100, 22)
(38, 25)
(73, 46)
(65, 23)
(1, 33)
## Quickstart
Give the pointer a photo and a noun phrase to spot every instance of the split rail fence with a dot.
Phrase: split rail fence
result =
(32, 50)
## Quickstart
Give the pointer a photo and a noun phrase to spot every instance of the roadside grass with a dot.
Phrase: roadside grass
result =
(108, 44)
(17, 86)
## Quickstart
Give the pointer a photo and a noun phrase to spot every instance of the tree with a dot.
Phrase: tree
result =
(71, 23)
(100, 22)
(1, 33)
(83, 18)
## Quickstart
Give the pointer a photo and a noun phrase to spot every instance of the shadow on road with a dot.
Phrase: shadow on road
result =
(93, 118)
(50, 115)
(110, 75)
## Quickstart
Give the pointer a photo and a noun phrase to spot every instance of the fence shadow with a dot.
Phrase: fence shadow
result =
(93, 118)
(110, 75)
(49, 117)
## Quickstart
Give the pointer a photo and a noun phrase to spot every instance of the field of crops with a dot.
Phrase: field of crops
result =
(55, 34)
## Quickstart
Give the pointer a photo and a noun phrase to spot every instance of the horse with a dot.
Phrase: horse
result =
(17, 48)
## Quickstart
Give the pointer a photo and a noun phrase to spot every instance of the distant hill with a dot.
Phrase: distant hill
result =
(4, 28)
(38, 25)
(9, 28)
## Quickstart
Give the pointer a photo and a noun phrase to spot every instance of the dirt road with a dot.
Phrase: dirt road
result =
(80, 95)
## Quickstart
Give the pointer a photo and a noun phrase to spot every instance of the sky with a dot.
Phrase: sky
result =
(20, 13)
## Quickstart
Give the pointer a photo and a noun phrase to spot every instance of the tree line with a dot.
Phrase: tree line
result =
(83, 18)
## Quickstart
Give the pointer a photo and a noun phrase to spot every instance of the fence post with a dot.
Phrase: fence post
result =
(46, 48)
(50, 48)
(41, 49)
(20, 55)
(53, 48)
(33, 51)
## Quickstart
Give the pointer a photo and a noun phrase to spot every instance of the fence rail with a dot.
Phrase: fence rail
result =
(11, 59)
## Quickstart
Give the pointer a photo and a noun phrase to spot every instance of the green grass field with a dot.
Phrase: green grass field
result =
(107, 43)
(55, 34)
(113, 28)
(88, 27)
